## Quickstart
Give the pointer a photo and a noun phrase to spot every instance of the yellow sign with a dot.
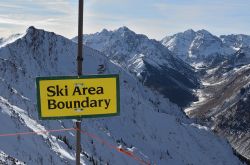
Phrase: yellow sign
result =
(77, 97)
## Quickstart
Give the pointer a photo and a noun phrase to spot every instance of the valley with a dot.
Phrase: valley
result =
(224, 74)
(219, 81)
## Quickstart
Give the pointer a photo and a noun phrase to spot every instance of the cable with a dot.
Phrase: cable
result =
(121, 150)
(36, 132)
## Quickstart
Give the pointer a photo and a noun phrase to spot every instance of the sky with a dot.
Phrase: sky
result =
(154, 18)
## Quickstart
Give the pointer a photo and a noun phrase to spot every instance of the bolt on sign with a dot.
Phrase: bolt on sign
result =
(78, 97)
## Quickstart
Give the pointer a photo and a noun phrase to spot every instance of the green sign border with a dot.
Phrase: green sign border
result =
(38, 79)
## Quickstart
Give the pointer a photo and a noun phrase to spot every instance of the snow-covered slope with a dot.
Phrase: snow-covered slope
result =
(180, 43)
(149, 60)
(236, 41)
(191, 44)
(8, 160)
(5, 41)
(197, 48)
(240, 57)
(149, 126)
(203, 49)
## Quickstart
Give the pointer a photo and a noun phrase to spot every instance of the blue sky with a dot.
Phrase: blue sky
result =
(155, 18)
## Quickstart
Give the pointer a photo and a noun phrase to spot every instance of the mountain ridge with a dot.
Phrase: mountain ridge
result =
(202, 46)
(217, 61)
(224, 76)
(149, 60)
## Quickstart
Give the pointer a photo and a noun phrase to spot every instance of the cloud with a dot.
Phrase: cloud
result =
(10, 6)
(59, 16)
(151, 17)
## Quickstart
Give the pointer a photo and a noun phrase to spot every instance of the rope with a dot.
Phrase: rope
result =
(120, 150)
(36, 132)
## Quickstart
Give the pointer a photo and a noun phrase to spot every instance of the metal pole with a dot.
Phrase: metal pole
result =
(80, 35)
(79, 71)
(78, 142)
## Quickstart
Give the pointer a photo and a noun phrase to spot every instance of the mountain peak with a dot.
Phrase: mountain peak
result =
(123, 28)
(189, 31)
(31, 29)
(124, 31)
(14, 37)
(104, 31)
(204, 32)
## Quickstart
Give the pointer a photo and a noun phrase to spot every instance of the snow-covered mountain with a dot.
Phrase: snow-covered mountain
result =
(222, 64)
(201, 48)
(180, 43)
(215, 59)
(149, 126)
(149, 60)
(191, 45)
(236, 41)
(5, 41)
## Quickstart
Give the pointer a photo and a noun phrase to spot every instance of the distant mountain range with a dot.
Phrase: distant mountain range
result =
(202, 45)
(218, 74)
(150, 61)
(223, 65)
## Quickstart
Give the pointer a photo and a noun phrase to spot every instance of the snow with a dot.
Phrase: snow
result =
(202, 97)
(222, 64)
(34, 126)
(7, 160)
(211, 71)
(137, 64)
(148, 60)
(200, 127)
(12, 38)
(198, 65)
(205, 83)
(196, 47)
(179, 43)
(236, 41)
(131, 50)
(149, 125)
